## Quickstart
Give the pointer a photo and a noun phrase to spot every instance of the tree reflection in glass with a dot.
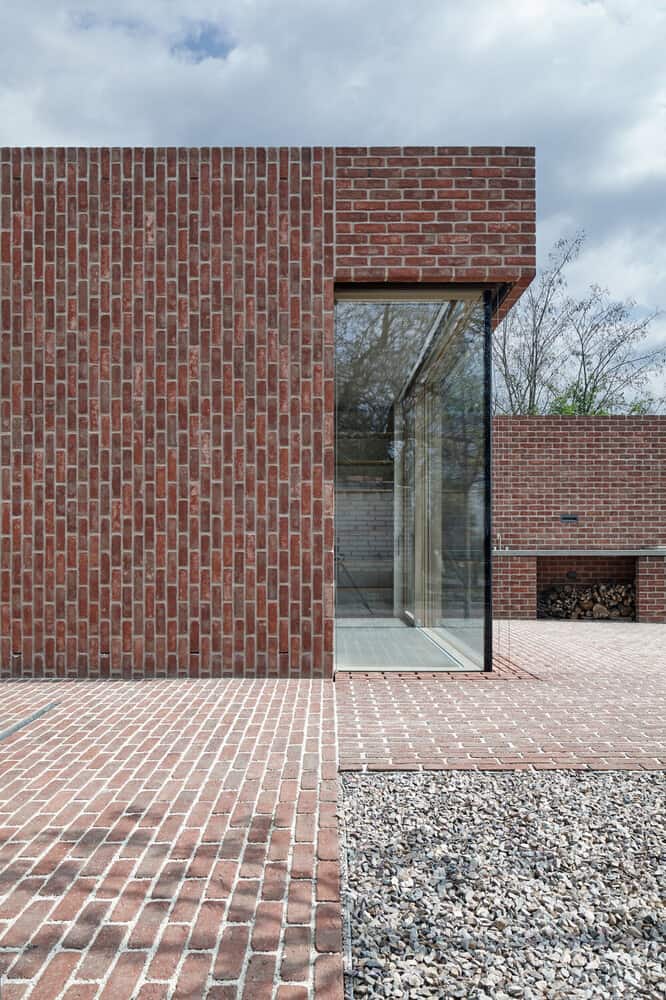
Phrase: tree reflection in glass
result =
(410, 467)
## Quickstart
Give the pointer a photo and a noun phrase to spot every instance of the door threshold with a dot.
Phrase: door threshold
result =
(401, 650)
(453, 650)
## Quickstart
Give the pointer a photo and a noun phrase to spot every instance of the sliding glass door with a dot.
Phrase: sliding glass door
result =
(442, 477)
(412, 425)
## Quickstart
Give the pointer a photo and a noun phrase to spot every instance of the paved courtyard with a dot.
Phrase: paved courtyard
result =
(179, 839)
(567, 694)
(169, 839)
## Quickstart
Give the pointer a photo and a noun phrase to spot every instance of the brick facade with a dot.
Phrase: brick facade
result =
(611, 472)
(443, 214)
(167, 394)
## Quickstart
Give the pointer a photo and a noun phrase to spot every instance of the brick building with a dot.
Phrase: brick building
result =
(579, 498)
(167, 389)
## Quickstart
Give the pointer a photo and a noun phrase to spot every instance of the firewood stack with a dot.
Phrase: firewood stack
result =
(597, 601)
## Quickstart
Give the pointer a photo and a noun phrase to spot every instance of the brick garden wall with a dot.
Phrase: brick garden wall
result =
(514, 587)
(611, 471)
(167, 394)
(651, 589)
(553, 570)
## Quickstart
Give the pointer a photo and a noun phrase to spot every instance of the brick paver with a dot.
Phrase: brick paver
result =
(18, 701)
(178, 838)
(170, 839)
(567, 694)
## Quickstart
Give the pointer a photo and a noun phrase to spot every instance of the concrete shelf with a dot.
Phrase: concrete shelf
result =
(657, 551)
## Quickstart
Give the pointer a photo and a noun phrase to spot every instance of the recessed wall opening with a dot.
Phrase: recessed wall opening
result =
(411, 483)
(597, 588)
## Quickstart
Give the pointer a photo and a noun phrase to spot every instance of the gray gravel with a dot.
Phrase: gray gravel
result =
(491, 886)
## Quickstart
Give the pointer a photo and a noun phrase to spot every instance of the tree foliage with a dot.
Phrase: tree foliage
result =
(554, 353)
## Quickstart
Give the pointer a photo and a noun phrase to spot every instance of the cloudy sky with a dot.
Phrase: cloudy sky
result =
(583, 80)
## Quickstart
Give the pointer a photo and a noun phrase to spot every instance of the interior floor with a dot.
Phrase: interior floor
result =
(369, 601)
(387, 644)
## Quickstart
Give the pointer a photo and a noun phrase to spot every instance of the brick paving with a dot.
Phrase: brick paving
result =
(170, 839)
(178, 839)
(567, 694)
(18, 701)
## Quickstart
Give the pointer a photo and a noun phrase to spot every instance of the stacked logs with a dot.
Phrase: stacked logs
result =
(596, 601)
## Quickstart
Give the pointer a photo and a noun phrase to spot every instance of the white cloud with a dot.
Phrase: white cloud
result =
(583, 80)
(622, 264)
(637, 153)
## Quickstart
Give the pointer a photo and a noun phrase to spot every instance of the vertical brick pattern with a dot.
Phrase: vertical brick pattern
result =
(208, 864)
(167, 392)
(166, 412)
(651, 589)
(514, 587)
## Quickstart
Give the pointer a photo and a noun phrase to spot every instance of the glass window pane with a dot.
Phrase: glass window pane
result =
(377, 345)
(457, 489)
(410, 484)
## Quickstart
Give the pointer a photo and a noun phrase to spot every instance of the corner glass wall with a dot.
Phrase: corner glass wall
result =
(412, 427)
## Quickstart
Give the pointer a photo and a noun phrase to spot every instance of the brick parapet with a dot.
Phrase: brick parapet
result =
(436, 214)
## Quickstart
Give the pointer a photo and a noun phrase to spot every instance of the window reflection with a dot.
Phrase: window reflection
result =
(410, 483)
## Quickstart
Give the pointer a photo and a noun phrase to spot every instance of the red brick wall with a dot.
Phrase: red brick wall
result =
(444, 213)
(166, 386)
(514, 587)
(588, 569)
(651, 589)
(611, 471)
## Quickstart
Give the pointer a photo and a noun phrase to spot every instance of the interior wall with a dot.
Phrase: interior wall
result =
(364, 534)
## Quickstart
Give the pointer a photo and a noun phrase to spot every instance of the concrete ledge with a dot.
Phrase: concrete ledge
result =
(581, 552)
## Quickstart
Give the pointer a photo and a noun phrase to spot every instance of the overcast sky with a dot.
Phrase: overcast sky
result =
(582, 80)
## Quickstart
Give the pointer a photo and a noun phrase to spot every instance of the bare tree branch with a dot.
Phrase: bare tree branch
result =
(556, 354)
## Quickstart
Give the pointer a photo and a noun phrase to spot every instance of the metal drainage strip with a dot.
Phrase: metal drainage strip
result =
(28, 720)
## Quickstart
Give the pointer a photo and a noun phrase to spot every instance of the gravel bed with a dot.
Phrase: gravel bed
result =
(491, 886)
